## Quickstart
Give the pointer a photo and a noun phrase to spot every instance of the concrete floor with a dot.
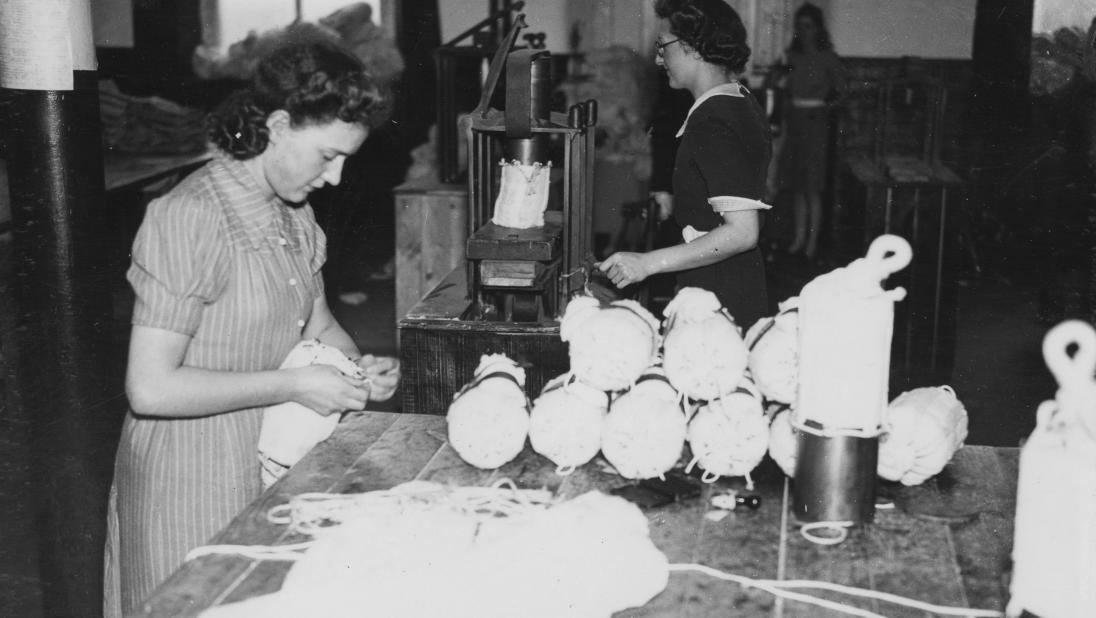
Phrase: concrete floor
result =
(999, 375)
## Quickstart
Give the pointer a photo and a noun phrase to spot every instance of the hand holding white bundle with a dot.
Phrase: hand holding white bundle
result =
(289, 429)
(566, 423)
(922, 429)
(1054, 552)
(703, 352)
(645, 429)
(489, 418)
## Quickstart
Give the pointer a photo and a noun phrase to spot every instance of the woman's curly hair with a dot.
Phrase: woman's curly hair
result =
(711, 27)
(316, 83)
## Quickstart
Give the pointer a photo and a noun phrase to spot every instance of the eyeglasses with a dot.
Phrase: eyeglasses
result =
(660, 47)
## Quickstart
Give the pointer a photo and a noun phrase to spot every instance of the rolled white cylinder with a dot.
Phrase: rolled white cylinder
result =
(846, 320)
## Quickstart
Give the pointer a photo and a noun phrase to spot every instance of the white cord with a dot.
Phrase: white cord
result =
(778, 588)
(840, 527)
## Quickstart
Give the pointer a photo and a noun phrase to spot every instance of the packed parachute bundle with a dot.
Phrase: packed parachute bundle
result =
(922, 429)
(784, 441)
(729, 435)
(702, 351)
(609, 345)
(489, 418)
(645, 430)
(774, 353)
(567, 421)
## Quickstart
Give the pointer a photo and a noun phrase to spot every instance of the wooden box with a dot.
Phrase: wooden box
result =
(431, 228)
(439, 351)
(924, 212)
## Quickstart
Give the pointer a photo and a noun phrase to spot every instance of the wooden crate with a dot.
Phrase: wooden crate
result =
(431, 228)
(439, 351)
(925, 213)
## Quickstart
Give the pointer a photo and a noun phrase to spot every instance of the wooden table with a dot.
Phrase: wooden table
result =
(951, 547)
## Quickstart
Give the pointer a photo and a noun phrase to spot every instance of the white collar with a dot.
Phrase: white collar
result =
(731, 89)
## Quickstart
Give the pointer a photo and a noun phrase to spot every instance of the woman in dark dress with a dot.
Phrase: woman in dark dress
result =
(720, 168)
(814, 79)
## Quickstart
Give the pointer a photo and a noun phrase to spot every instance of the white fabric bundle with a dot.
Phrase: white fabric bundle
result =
(523, 195)
(566, 423)
(588, 557)
(729, 436)
(784, 442)
(645, 430)
(289, 429)
(703, 352)
(489, 418)
(609, 346)
(774, 353)
(922, 429)
(1054, 547)
(846, 320)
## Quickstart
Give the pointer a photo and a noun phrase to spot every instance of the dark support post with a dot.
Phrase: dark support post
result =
(59, 349)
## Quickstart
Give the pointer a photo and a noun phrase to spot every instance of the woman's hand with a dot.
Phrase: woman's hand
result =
(326, 390)
(383, 373)
(625, 268)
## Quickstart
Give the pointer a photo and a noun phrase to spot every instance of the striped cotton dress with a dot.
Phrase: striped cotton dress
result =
(238, 272)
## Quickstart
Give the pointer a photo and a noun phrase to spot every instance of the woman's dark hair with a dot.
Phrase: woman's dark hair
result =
(822, 40)
(316, 83)
(711, 27)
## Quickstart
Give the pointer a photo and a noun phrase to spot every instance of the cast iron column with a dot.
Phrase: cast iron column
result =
(60, 346)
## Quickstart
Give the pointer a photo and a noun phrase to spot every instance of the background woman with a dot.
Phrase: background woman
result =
(814, 81)
(719, 170)
(226, 271)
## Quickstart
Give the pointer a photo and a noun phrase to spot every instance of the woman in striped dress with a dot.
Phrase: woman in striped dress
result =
(226, 270)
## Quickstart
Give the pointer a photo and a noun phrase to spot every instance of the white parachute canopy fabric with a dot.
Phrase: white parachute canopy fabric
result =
(784, 442)
(523, 195)
(774, 353)
(922, 429)
(1054, 547)
(846, 320)
(566, 423)
(703, 352)
(489, 418)
(729, 436)
(588, 557)
(609, 346)
(645, 430)
(289, 429)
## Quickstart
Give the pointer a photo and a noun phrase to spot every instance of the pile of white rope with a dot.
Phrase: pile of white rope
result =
(423, 549)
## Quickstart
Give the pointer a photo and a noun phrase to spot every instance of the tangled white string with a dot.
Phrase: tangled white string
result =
(780, 589)
(311, 514)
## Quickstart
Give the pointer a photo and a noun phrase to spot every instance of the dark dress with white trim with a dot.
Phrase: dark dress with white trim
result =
(724, 151)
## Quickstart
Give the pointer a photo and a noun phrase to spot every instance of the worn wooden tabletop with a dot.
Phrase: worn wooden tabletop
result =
(946, 542)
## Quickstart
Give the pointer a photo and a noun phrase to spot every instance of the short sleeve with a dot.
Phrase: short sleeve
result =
(179, 263)
(731, 161)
